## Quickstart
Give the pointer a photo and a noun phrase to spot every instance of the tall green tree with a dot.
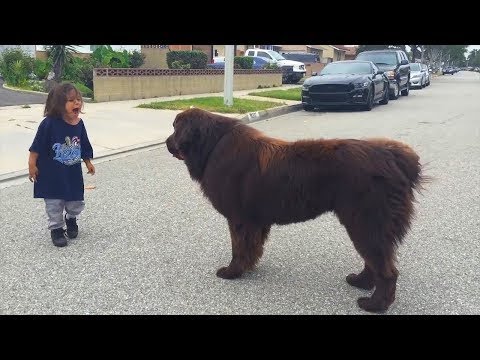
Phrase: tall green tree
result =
(60, 55)
(474, 58)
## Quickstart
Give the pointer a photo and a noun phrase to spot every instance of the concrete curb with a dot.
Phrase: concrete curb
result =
(15, 176)
(24, 91)
(86, 99)
(266, 114)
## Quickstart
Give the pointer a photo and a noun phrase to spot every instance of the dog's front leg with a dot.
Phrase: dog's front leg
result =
(247, 248)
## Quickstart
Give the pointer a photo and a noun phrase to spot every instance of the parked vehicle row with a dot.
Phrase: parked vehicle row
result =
(258, 63)
(394, 63)
(373, 77)
(297, 68)
(348, 82)
(419, 75)
(293, 71)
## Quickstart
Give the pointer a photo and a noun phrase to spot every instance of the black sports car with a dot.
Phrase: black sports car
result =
(348, 82)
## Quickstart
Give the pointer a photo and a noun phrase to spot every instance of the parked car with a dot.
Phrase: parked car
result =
(298, 68)
(258, 63)
(218, 59)
(448, 70)
(394, 63)
(347, 82)
(427, 72)
(303, 57)
(417, 76)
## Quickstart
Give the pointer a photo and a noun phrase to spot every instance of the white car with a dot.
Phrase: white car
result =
(417, 76)
(298, 68)
(426, 70)
(218, 59)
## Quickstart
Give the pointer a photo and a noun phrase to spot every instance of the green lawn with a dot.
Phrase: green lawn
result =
(290, 94)
(214, 104)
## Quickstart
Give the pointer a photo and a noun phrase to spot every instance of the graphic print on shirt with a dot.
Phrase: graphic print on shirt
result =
(68, 153)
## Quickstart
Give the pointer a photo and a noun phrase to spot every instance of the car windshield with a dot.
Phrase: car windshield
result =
(346, 68)
(379, 58)
(276, 55)
(415, 67)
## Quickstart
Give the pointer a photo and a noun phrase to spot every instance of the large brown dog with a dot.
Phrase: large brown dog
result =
(256, 181)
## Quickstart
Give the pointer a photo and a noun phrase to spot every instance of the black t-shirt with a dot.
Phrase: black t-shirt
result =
(61, 147)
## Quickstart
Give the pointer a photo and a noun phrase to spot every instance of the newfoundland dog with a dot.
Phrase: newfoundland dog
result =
(256, 181)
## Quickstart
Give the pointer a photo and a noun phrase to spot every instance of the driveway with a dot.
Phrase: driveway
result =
(10, 97)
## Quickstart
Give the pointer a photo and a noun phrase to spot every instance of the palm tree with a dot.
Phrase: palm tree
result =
(60, 54)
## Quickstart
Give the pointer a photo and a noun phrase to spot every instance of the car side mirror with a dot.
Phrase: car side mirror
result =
(314, 73)
(404, 62)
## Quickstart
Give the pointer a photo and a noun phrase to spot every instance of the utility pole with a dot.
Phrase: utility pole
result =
(228, 77)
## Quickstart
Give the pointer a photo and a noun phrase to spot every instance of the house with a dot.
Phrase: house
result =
(328, 53)
(350, 51)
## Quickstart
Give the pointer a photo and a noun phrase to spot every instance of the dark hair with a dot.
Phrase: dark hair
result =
(58, 97)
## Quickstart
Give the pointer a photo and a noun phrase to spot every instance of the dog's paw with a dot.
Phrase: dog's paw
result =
(371, 305)
(360, 281)
(227, 272)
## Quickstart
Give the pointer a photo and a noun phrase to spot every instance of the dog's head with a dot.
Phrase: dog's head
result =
(195, 134)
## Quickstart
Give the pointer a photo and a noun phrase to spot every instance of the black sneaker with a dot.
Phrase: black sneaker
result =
(72, 227)
(58, 237)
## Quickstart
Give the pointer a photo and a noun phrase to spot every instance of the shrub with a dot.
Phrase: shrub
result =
(179, 64)
(79, 71)
(104, 56)
(196, 59)
(242, 62)
(86, 92)
(16, 66)
(137, 59)
(41, 68)
(271, 66)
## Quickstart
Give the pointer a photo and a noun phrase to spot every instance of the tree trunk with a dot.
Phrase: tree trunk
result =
(57, 69)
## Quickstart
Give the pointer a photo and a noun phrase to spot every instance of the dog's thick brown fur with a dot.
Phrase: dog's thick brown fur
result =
(256, 181)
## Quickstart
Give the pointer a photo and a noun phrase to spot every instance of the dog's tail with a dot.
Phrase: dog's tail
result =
(409, 164)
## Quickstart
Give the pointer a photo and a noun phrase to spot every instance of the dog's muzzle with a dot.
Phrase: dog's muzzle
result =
(173, 150)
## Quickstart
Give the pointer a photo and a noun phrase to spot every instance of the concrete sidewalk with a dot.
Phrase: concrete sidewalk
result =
(113, 127)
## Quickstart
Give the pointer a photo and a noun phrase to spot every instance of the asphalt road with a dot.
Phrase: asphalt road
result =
(10, 97)
(150, 243)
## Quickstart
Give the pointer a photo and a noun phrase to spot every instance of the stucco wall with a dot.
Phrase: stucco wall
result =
(155, 57)
(128, 84)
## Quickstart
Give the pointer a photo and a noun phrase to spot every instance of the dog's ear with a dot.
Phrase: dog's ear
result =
(187, 136)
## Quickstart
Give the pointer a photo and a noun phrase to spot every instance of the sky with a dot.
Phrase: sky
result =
(86, 48)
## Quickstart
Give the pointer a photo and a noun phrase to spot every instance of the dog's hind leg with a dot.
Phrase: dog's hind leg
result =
(379, 271)
(364, 280)
(247, 248)
(385, 274)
